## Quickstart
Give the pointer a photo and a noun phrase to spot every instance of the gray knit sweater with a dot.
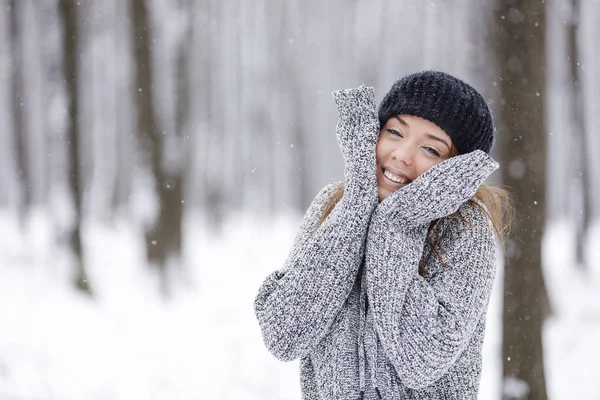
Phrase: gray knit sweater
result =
(349, 301)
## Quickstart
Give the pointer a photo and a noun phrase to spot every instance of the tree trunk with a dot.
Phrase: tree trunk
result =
(8, 159)
(17, 110)
(68, 10)
(33, 71)
(519, 44)
(182, 95)
(124, 106)
(164, 240)
(181, 163)
(582, 206)
(589, 32)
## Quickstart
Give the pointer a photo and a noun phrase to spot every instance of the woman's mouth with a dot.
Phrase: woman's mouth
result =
(399, 180)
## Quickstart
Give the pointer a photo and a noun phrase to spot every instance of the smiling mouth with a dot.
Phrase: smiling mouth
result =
(395, 178)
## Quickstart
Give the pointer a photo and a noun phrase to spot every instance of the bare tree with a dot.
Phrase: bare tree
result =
(582, 211)
(588, 32)
(124, 105)
(519, 45)
(164, 240)
(68, 10)
(7, 138)
(17, 108)
(183, 95)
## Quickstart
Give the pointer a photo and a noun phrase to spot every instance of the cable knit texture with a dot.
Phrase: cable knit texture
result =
(349, 301)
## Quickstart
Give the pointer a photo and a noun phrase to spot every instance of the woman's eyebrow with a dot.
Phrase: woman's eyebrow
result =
(403, 122)
(433, 137)
(429, 135)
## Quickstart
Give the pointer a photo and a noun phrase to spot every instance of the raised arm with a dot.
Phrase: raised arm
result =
(296, 306)
(424, 326)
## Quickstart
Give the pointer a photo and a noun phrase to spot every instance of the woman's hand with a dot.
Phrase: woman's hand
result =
(357, 131)
(439, 191)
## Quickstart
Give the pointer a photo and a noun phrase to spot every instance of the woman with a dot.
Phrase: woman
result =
(384, 294)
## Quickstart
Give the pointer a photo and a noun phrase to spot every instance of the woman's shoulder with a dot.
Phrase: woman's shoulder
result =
(472, 214)
(321, 201)
(328, 191)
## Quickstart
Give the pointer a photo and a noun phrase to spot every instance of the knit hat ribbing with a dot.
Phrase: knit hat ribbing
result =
(450, 103)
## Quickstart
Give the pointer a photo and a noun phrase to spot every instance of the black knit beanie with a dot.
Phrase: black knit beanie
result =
(450, 103)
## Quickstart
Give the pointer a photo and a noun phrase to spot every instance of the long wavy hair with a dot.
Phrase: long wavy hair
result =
(499, 208)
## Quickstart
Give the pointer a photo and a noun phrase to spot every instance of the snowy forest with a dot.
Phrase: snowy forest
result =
(156, 157)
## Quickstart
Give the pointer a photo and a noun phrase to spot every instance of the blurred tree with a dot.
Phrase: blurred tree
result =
(181, 160)
(7, 147)
(33, 101)
(17, 109)
(519, 32)
(182, 94)
(124, 106)
(68, 11)
(220, 100)
(582, 201)
(163, 241)
(588, 33)
(200, 101)
(284, 89)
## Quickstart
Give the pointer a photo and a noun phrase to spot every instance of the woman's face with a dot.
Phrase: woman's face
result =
(408, 146)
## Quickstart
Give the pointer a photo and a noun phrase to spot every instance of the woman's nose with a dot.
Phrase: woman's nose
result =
(404, 154)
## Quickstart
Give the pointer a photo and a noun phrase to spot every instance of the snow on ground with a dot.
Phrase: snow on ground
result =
(572, 333)
(204, 342)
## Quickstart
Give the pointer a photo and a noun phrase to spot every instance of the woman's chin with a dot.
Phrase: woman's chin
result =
(383, 193)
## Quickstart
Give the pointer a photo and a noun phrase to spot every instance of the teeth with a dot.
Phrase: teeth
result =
(395, 178)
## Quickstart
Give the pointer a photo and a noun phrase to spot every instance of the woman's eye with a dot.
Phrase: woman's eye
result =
(395, 132)
(432, 151)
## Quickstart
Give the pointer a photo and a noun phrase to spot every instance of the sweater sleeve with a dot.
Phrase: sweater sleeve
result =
(296, 305)
(424, 326)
